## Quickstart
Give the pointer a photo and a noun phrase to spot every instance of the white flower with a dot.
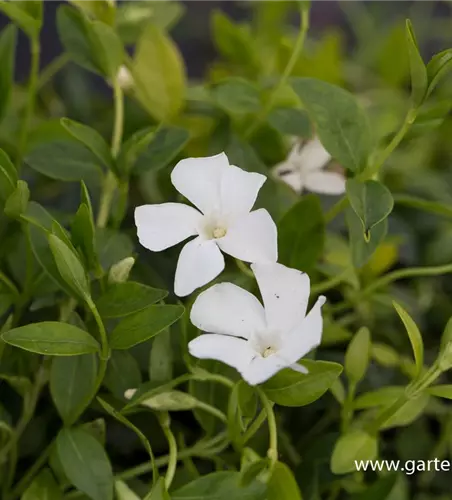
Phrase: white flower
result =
(303, 169)
(224, 194)
(125, 78)
(258, 341)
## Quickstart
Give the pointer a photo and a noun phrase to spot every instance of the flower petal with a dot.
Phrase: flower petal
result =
(252, 238)
(305, 336)
(313, 156)
(325, 182)
(233, 351)
(290, 174)
(285, 293)
(229, 310)
(199, 180)
(261, 369)
(163, 226)
(239, 190)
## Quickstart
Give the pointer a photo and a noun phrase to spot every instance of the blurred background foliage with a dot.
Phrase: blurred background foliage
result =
(233, 54)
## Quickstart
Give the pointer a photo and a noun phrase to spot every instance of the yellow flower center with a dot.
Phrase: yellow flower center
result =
(268, 352)
(219, 232)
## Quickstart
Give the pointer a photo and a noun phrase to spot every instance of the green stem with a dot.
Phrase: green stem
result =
(213, 411)
(9, 283)
(406, 273)
(272, 452)
(298, 48)
(49, 72)
(172, 462)
(244, 268)
(347, 409)
(254, 427)
(35, 49)
(326, 285)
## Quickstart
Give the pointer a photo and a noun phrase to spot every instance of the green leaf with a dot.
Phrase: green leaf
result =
(92, 44)
(433, 207)
(419, 80)
(91, 139)
(27, 15)
(237, 96)
(143, 325)
(43, 487)
(52, 338)
(415, 336)
(21, 385)
(302, 223)
(85, 463)
(382, 489)
(158, 491)
(83, 234)
(171, 401)
(122, 299)
(361, 249)
(341, 124)
(290, 388)
(103, 10)
(437, 68)
(220, 486)
(8, 176)
(357, 355)
(8, 38)
(123, 492)
(354, 446)
(71, 384)
(161, 358)
(157, 150)
(64, 160)
(112, 246)
(290, 121)
(408, 413)
(384, 396)
(123, 373)
(371, 201)
(159, 74)
(441, 391)
(70, 267)
(282, 484)
(17, 202)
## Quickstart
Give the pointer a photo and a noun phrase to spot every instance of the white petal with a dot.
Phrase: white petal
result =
(163, 226)
(313, 156)
(199, 180)
(200, 261)
(325, 182)
(285, 293)
(233, 351)
(261, 369)
(239, 190)
(252, 238)
(290, 174)
(304, 337)
(229, 310)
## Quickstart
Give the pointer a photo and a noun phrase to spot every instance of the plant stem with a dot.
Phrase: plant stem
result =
(35, 49)
(49, 72)
(254, 427)
(9, 283)
(213, 411)
(172, 462)
(298, 48)
(326, 285)
(272, 452)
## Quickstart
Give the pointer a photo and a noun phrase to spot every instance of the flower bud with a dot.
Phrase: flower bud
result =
(120, 271)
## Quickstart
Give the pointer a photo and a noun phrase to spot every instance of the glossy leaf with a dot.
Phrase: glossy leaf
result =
(123, 372)
(143, 325)
(123, 492)
(408, 413)
(17, 202)
(301, 224)
(441, 391)
(237, 96)
(71, 384)
(122, 299)
(83, 234)
(437, 68)
(290, 121)
(8, 38)
(282, 484)
(382, 489)
(371, 201)
(85, 463)
(161, 358)
(69, 266)
(43, 487)
(357, 355)
(159, 74)
(384, 396)
(51, 338)
(418, 70)
(414, 334)
(27, 15)
(290, 388)
(341, 124)
(8, 176)
(220, 486)
(354, 446)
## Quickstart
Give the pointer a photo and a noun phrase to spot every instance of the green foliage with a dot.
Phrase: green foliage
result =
(8, 38)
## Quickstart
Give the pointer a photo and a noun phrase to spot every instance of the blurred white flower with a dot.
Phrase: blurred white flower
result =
(258, 341)
(224, 194)
(304, 169)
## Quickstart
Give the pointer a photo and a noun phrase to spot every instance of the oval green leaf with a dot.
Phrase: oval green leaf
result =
(352, 447)
(357, 355)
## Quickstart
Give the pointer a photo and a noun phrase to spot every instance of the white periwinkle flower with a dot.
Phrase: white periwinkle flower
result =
(258, 341)
(224, 195)
(304, 169)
